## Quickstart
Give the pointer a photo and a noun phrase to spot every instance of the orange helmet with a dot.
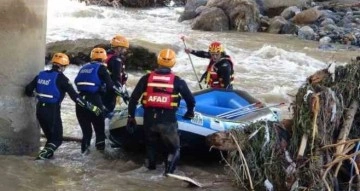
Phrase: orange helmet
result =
(167, 58)
(60, 58)
(119, 41)
(98, 53)
(216, 47)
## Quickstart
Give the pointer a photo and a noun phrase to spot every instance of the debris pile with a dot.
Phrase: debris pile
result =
(315, 150)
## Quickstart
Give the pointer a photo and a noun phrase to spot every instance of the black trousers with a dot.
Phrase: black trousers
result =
(50, 122)
(109, 100)
(162, 134)
(88, 120)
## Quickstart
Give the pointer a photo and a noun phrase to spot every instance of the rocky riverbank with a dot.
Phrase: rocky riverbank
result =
(327, 21)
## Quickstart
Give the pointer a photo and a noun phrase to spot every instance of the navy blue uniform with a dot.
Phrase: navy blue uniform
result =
(51, 86)
(88, 82)
(116, 67)
(161, 123)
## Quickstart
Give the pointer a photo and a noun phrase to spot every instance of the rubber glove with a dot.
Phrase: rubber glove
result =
(131, 125)
(189, 115)
(97, 111)
(83, 103)
(123, 94)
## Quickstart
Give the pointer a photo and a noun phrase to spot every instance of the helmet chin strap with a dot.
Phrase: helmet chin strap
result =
(117, 50)
(215, 59)
(62, 68)
(59, 67)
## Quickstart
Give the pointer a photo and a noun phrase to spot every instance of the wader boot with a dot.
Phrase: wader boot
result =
(170, 164)
(47, 152)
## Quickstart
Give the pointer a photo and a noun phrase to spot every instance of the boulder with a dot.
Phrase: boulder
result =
(289, 28)
(189, 10)
(276, 24)
(308, 16)
(306, 33)
(264, 24)
(290, 12)
(327, 21)
(279, 25)
(274, 8)
(211, 19)
(138, 57)
(243, 14)
(270, 4)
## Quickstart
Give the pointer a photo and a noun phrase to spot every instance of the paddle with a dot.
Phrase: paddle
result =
(191, 181)
(251, 111)
(197, 78)
(238, 109)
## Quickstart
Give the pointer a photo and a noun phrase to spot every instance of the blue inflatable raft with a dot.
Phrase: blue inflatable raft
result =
(215, 110)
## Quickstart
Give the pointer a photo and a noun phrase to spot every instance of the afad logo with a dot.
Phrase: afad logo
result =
(160, 99)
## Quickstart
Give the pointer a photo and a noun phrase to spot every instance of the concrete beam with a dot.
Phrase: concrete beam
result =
(22, 47)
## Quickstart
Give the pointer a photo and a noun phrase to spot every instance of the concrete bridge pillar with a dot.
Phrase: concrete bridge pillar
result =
(22, 53)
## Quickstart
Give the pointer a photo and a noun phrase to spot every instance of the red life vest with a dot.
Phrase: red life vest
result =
(160, 92)
(123, 75)
(212, 78)
(109, 56)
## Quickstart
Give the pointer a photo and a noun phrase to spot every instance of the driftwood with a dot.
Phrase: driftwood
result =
(243, 159)
(222, 141)
(348, 121)
(322, 138)
(302, 146)
(318, 77)
(68, 138)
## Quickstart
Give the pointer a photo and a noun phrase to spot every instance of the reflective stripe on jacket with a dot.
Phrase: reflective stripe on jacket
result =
(160, 92)
(213, 79)
(88, 79)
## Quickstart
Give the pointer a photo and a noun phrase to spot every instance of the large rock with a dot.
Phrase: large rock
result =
(211, 19)
(290, 12)
(276, 24)
(271, 4)
(190, 9)
(308, 16)
(138, 57)
(273, 8)
(243, 15)
(306, 33)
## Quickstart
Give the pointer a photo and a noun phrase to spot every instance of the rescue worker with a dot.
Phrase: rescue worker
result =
(91, 77)
(220, 70)
(116, 66)
(51, 86)
(161, 91)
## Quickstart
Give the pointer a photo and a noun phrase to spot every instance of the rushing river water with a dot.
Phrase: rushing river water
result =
(270, 67)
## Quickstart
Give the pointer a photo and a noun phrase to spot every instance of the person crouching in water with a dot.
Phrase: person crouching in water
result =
(220, 70)
(51, 86)
(89, 81)
(160, 116)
